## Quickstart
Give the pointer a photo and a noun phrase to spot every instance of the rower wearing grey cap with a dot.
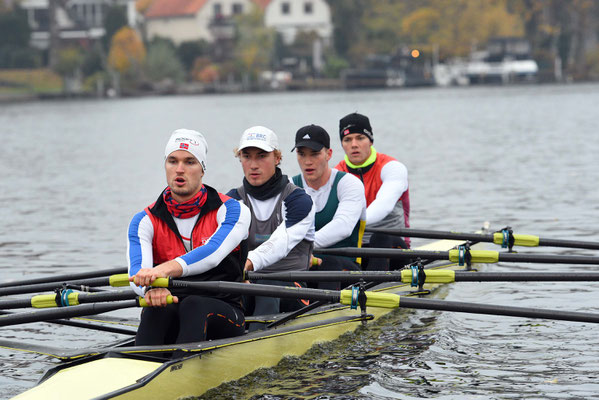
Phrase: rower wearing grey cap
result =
(282, 229)
(338, 197)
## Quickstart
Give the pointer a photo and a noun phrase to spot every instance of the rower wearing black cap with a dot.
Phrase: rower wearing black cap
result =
(385, 182)
(338, 198)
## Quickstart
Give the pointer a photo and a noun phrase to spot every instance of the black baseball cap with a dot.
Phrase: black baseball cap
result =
(312, 136)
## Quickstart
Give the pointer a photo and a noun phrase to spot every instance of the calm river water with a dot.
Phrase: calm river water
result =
(75, 172)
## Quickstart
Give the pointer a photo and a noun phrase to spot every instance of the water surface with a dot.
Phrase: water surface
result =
(75, 172)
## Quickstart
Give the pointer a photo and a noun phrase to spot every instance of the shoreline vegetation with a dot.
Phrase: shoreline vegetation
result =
(43, 84)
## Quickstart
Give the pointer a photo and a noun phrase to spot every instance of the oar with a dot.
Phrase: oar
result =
(66, 298)
(65, 277)
(430, 276)
(82, 284)
(499, 238)
(477, 256)
(85, 325)
(70, 312)
(374, 299)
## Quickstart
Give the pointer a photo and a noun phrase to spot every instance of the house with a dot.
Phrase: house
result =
(185, 20)
(77, 20)
(289, 17)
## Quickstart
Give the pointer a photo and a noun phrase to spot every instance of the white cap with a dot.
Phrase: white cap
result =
(190, 141)
(260, 137)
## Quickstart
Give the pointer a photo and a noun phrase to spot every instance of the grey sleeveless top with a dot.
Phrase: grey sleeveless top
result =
(298, 259)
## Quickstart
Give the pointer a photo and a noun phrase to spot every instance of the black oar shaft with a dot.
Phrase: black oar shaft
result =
(328, 276)
(428, 234)
(384, 253)
(387, 300)
(82, 298)
(481, 237)
(474, 308)
(444, 255)
(576, 244)
(396, 276)
(548, 259)
(50, 286)
(461, 276)
(69, 312)
(86, 325)
(259, 290)
(66, 277)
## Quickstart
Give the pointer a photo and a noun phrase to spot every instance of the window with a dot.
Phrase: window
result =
(285, 8)
(308, 7)
(218, 9)
(237, 8)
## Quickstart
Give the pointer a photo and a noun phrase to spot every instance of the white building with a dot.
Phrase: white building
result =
(289, 17)
(185, 20)
(76, 19)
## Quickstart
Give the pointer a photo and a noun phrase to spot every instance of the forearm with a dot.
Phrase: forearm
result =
(234, 220)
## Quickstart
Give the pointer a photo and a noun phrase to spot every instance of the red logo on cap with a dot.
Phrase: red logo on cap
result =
(346, 132)
(184, 146)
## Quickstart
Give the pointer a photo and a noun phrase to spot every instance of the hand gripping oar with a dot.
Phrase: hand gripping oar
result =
(476, 256)
(69, 312)
(65, 277)
(373, 299)
(504, 238)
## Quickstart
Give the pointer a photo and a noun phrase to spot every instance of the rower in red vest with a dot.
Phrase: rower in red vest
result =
(190, 231)
(385, 183)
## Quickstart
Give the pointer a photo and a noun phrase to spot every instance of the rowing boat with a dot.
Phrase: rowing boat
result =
(124, 371)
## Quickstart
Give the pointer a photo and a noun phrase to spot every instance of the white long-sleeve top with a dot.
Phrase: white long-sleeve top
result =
(394, 176)
(350, 210)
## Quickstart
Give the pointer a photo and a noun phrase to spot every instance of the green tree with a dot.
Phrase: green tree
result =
(162, 62)
(190, 50)
(93, 61)
(347, 24)
(115, 19)
(14, 28)
(15, 51)
(254, 45)
(70, 60)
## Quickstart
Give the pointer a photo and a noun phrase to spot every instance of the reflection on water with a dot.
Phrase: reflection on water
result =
(75, 172)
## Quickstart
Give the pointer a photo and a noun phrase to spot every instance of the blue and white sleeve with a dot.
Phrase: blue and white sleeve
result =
(139, 246)
(234, 220)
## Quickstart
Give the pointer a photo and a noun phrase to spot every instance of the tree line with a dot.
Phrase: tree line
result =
(563, 35)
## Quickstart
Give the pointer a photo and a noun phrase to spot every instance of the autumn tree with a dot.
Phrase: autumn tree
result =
(127, 55)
